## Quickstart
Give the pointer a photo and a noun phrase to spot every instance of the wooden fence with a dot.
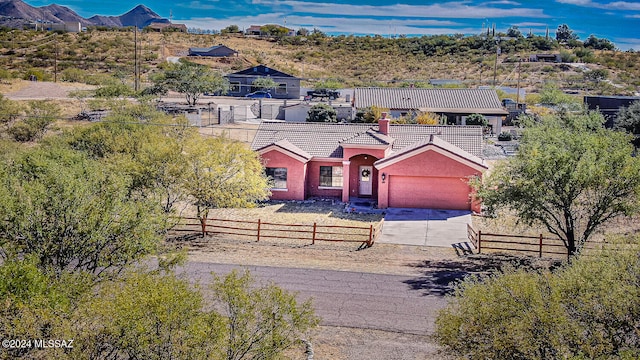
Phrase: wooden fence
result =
(539, 244)
(366, 235)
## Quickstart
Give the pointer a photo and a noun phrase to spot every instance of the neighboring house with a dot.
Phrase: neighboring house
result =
(240, 83)
(256, 30)
(214, 51)
(554, 58)
(455, 104)
(253, 30)
(609, 106)
(160, 27)
(415, 166)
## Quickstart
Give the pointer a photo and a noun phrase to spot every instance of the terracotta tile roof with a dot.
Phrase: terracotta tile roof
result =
(370, 137)
(433, 140)
(324, 140)
(458, 101)
(286, 145)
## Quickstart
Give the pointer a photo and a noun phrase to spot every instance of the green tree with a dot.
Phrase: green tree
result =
(152, 156)
(552, 95)
(514, 31)
(598, 44)
(223, 173)
(167, 320)
(192, 80)
(588, 309)
(330, 84)
(39, 115)
(570, 175)
(260, 322)
(629, 118)
(369, 115)
(276, 31)
(564, 34)
(477, 119)
(36, 305)
(322, 113)
(264, 83)
(9, 111)
(72, 214)
(596, 76)
(231, 29)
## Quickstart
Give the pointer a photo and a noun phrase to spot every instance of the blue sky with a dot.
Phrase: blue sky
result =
(618, 21)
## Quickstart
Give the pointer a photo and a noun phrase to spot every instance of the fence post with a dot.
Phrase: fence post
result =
(479, 241)
(258, 234)
(313, 238)
(203, 224)
(369, 243)
(540, 245)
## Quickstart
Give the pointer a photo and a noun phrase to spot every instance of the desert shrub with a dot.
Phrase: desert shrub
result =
(477, 119)
(73, 75)
(428, 118)
(100, 79)
(369, 114)
(587, 309)
(504, 136)
(114, 90)
(39, 74)
(322, 113)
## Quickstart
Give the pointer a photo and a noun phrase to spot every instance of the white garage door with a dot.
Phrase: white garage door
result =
(428, 192)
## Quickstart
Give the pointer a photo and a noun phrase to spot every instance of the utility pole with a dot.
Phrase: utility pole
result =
(495, 66)
(518, 87)
(55, 64)
(135, 58)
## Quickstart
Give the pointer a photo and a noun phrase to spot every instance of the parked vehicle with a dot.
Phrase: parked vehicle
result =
(258, 95)
(323, 93)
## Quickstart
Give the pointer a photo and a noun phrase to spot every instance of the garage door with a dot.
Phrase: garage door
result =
(428, 192)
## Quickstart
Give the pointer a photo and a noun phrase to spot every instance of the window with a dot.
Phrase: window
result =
(331, 176)
(279, 176)
(281, 89)
(234, 87)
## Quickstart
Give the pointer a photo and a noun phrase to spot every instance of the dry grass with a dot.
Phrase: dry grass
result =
(508, 224)
(349, 256)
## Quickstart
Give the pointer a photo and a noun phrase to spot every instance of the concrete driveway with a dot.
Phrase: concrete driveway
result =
(426, 227)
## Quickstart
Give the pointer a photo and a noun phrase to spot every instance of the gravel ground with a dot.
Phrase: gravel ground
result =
(39, 90)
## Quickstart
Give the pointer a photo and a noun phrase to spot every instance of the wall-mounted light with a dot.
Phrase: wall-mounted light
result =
(383, 176)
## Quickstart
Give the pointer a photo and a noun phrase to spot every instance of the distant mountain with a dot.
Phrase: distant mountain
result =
(139, 16)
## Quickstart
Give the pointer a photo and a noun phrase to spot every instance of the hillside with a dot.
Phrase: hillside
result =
(352, 61)
(17, 13)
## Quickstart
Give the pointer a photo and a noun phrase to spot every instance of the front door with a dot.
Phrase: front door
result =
(365, 183)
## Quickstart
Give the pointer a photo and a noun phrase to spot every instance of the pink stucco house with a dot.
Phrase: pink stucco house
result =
(416, 166)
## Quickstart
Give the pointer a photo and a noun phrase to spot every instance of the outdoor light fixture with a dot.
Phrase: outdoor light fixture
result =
(384, 176)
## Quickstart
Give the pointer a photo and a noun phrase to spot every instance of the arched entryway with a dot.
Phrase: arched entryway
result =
(363, 176)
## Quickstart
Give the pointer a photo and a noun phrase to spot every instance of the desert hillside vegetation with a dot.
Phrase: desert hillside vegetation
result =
(96, 55)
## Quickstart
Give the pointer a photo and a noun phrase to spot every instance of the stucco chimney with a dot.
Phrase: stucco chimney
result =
(383, 124)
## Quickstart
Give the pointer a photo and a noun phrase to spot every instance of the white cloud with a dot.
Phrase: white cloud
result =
(530, 24)
(503, 2)
(616, 5)
(199, 5)
(454, 10)
(339, 24)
